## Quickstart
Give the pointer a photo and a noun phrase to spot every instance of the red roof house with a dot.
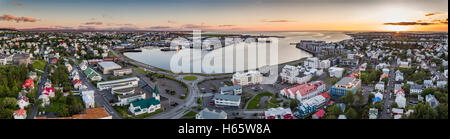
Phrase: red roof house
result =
(319, 114)
(29, 83)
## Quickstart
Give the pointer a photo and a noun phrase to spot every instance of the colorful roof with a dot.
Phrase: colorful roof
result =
(384, 75)
(146, 103)
(28, 83)
(47, 90)
(320, 113)
(20, 112)
(325, 95)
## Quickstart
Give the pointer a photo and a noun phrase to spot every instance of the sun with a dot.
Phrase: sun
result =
(396, 28)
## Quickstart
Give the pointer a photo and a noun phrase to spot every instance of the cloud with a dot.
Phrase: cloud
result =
(277, 21)
(7, 17)
(93, 23)
(17, 4)
(409, 23)
(171, 22)
(435, 13)
(193, 26)
(115, 24)
(159, 27)
(227, 25)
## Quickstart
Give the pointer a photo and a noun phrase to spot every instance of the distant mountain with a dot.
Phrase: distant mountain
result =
(8, 29)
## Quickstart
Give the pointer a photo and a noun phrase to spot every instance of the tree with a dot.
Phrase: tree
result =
(442, 110)
(394, 105)
(379, 105)
(406, 88)
(9, 102)
(294, 104)
(349, 98)
(424, 111)
(360, 96)
(351, 113)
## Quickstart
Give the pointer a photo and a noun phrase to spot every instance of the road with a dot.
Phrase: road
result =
(41, 84)
(388, 95)
(99, 96)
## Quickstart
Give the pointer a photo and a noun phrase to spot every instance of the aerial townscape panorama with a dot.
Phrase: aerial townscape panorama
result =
(224, 59)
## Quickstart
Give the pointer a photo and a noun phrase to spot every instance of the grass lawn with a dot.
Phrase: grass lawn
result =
(189, 115)
(142, 71)
(190, 78)
(254, 103)
(39, 64)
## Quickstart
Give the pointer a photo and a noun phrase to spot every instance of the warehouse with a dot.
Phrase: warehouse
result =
(108, 66)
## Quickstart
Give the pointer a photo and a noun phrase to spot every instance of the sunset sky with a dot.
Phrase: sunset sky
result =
(227, 15)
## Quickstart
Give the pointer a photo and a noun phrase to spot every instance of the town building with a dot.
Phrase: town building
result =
(312, 62)
(373, 113)
(380, 86)
(319, 114)
(149, 105)
(107, 67)
(133, 81)
(128, 94)
(336, 72)
(313, 104)
(304, 91)
(5, 59)
(248, 78)
(227, 100)
(278, 113)
(20, 114)
(431, 100)
(23, 102)
(88, 98)
(345, 85)
(92, 74)
(20, 59)
(233, 90)
(401, 101)
(121, 72)
(211, 114)
(416, 89)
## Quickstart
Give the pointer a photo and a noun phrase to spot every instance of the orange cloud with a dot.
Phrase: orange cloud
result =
(7, 17)
(17, 4)
(277, 21)
(94, 23)
(435, 13)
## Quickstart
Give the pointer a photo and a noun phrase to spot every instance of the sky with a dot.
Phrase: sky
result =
(228, 15)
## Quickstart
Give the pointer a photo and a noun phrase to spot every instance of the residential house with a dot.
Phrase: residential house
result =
(23, 102)
(88, 98)
(401, 101)
(20, 114)
(373, 113)
(380, 86)
(416, 89)
(432, 100)
(428, 83)
(319, 114)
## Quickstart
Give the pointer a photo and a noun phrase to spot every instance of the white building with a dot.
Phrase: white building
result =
(428, 83)
(380, 86)
(324, 64)
(107, 67)
(23, 102)
(208, 114)
(227, 100)
(133, 81)
(88, 98)
(336, 72)
(441, 84)
(278, 113)
(398, 76)
(249, 78)
(401, 101)
(304, 91)
(121, 72)
(312, 62)
(234, 90)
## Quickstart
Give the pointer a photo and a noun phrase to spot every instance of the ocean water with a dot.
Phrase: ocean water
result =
(286, 52)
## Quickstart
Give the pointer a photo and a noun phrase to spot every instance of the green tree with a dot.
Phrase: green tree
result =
(349, 98)
(442, 110)
(394, 105)
(351, 113)
(424, 111)
(294, 104)
(379, 105)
